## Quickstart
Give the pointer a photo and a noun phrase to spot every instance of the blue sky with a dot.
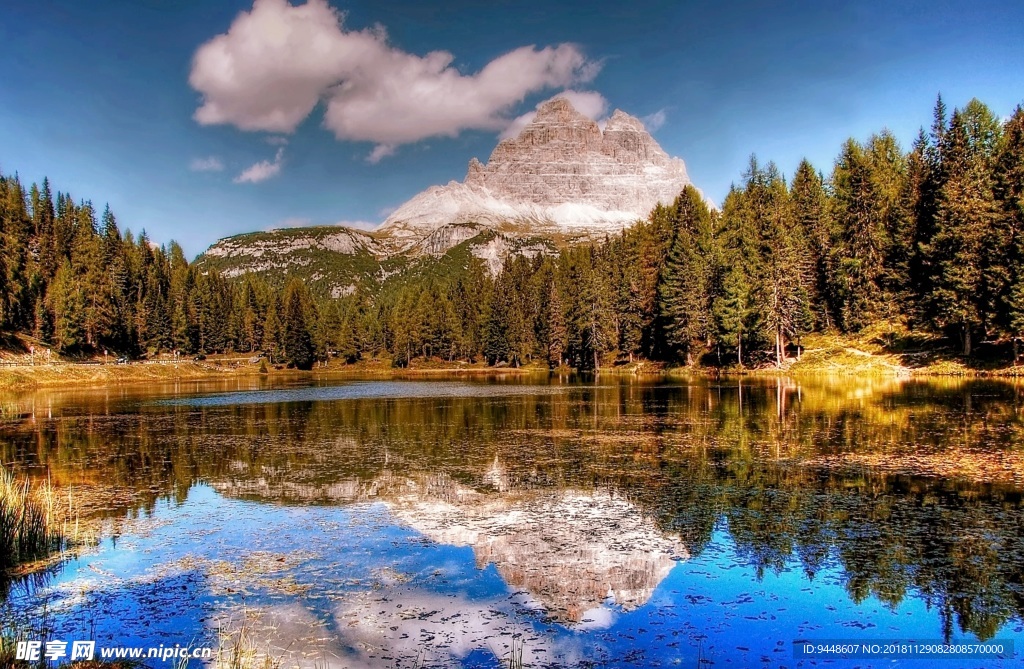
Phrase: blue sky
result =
(339, 113)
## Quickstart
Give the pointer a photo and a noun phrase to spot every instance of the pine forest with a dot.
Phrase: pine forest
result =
(930, 237)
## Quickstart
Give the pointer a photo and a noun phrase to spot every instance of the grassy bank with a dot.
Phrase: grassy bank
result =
(886, 349)
(84, 376)
(882, 350)
(95, 376)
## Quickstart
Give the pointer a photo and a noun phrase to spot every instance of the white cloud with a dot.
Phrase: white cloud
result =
(277, 140)
(380, 152)
(358, 225)
(301, 222)
(262, 170)
(654, 121)
(211, 164)
(589, 103)
(293, 222)
(277, 62)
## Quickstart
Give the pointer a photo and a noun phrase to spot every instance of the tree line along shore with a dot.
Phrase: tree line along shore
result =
(913, 256)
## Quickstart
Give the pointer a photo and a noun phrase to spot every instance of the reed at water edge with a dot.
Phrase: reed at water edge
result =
(35, 521)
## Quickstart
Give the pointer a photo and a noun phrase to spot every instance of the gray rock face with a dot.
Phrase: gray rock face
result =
(564, 178)
(564, 157)
(561, 174)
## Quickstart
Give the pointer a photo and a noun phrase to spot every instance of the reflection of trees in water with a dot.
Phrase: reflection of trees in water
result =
(695, 458)
(960, 547)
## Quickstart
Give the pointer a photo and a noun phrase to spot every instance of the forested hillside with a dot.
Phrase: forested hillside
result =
(932, 238)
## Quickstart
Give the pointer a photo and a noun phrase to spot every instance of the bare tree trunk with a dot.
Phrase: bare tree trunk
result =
(778, 348)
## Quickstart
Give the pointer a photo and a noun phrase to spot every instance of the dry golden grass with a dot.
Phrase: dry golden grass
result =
(35, 521)
(83, 376)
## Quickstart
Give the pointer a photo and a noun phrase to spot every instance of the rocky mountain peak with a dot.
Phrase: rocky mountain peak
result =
(559, 110)
(562, 179)
(620, 121)
(561, 175)
(562, 159)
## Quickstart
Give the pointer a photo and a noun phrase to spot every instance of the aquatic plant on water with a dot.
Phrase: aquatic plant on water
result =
(238, 648)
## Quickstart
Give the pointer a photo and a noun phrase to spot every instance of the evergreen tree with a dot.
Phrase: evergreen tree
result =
(298, 343)
(734, 314)
(556, 331)
(496, 347)
(863, 243)
(15, 234)
(1009, 191)
(272, 333)
(783, 269)
(599, 328)
(351, 336)
(65, 302)
(688, 282)
(888, 179)
(920, 195)
(813, 218)
(965, 219)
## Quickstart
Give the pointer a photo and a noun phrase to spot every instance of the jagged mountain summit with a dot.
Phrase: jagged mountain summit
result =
(562, 179)
(563, 174)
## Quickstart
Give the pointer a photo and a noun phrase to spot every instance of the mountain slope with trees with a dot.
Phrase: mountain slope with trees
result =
(931, 238)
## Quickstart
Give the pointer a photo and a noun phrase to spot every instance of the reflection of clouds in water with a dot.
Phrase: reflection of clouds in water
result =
(364, 390)
(286, 635)
(597, 618)
(403, 626)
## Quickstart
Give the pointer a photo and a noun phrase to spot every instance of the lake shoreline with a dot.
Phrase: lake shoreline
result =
(839, 356)
(99, 376)
(28, 377)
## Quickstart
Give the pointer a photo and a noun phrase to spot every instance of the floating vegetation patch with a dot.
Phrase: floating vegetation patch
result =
(986, 466)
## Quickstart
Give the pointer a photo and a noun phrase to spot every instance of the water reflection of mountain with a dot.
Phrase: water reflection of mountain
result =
(692, 458)
(570, 550)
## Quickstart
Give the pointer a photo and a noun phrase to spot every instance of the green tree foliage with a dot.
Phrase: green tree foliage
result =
(296, 337)
(1009, 185)
(65, 303)
(968, 250)
(933, 236)
(689, 278)
(817, 228)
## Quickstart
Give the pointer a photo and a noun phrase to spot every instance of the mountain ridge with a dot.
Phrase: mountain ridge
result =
(563, 179)
(563, 173)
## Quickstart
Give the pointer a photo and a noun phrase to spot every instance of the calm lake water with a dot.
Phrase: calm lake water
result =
(464, 522)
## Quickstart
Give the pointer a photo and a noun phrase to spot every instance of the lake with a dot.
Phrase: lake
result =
(526, 521)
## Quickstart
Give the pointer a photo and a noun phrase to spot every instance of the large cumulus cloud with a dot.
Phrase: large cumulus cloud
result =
(277, 61)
